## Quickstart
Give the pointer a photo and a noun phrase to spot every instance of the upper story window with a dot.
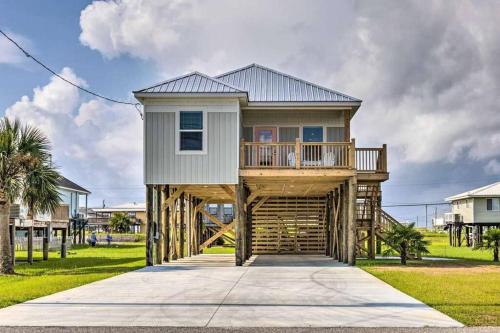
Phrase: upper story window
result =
(493, 204)
(191, 136)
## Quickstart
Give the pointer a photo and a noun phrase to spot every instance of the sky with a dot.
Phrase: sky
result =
(427, 72)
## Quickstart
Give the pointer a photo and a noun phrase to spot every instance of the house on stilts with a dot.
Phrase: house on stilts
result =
(278, 148)
(472, 213)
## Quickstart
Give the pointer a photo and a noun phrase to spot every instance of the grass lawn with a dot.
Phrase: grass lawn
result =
(466, 289)
(83, 265)
(218, 250)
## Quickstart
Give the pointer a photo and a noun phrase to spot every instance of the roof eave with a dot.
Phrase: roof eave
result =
(141, 95)
(354, 105)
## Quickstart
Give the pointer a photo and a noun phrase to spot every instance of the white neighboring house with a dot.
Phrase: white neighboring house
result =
(480, 206)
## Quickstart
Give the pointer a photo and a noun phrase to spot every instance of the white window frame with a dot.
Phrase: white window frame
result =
(178, 130)
(492, 205)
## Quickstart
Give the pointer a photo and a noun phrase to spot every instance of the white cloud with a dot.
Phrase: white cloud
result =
(95, 143)
(9, 53)
(427, 72)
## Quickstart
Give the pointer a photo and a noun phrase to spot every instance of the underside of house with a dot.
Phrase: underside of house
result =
(277, 148)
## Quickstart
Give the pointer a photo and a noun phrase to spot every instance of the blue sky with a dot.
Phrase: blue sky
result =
(428, 75)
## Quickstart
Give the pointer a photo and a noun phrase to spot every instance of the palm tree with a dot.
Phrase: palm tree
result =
(491, 241)
(26, 174)
(120, 222)
(405, 239)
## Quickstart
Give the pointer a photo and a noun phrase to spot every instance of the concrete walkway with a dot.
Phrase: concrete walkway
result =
(273, 291)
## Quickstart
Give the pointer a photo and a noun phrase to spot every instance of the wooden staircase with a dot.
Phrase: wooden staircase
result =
(372, 218)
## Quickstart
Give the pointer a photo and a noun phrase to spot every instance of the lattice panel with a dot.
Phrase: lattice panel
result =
(290, 225)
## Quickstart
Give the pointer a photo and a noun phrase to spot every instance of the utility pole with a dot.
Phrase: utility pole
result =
(426, 216)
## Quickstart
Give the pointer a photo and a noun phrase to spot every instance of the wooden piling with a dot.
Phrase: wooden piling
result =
(182, 225)
(149, 225)
(351, 237)
(159, 226)
(166, 223)
(45, 243)
(30, 245)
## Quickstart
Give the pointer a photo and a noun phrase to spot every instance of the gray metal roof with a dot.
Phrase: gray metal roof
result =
(259, 83)
(194, 82)
(267, 85)
(66, 183)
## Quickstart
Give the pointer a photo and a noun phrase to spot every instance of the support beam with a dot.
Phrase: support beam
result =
(345, 209)
(229, 191)
(259, 204)
(240, 227)
(159, 226)
(351, 237)
(217, 235)
(149, 225)
(174, 196)
(173, 238)
(165, 216)
(182, 224)
(189, 225)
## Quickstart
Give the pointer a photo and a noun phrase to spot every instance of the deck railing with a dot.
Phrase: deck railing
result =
(371, 159)
(297, 155)
(312, 155)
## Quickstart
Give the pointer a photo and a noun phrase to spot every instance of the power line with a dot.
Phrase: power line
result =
(27, 54)
(418, 204)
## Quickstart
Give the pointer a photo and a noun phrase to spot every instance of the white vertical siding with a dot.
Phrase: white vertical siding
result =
(164, 166)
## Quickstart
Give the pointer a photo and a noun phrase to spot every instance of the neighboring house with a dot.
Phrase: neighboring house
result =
(99, 217)
(49, 225)
(473, 211)
(276, 147)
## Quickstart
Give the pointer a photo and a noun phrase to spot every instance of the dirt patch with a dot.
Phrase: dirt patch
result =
(465, 269)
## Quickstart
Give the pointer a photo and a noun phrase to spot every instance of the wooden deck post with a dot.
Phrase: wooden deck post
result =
(159, 225)
(352, 154)
(371, 232)
(182, 225)
(149, 225)
(165, 212)
(189, 225)
(199, 233)
(345, 209)
(64, 248)
(173, 239)
(297, 153)
(249, 232)
(45, 243)
(30, 245)
(240, 223)
(328, 227)
(351, 232)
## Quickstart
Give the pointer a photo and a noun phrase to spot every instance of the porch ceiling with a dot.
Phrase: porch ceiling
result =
(272, 186)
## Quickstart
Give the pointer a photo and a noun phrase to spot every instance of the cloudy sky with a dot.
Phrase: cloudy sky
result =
(427, 72)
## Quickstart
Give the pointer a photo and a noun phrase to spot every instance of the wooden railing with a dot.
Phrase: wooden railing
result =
(297, 155)
(371, 159)
(312, 155)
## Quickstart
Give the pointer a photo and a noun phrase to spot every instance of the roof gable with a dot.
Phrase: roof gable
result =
(268, 85)
(194, 82)
(64, 182)
(492, 190)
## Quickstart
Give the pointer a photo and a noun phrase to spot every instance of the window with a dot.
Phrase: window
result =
(493, 204)
(191, 132)
(312, 134)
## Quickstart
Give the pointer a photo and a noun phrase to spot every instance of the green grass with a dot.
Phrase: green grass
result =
(83, 265)
(466, 289)
(218, 250)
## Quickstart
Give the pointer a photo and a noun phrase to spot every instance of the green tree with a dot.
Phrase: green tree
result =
(120, 222)
(405, 239)
(491, 241)
(25, 173)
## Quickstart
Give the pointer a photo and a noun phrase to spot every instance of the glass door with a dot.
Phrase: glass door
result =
(312, 154)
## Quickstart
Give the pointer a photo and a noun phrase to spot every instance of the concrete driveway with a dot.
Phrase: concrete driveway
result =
(273, 291)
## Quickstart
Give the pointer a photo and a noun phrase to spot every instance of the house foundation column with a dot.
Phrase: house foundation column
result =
(149, 226)
(63, 242)
(12, 235)
(159, 226)
(45, 243)
(345, 210)
(30, 245)
(351, 215)
(241, 218)
(165, 216)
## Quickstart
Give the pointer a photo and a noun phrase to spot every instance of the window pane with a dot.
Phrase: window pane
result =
(496, 203)
(489, 204)
(288, 134)
(191, 120)
(191, 140)
(335, 134)
(248, 134)
(313, 134)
